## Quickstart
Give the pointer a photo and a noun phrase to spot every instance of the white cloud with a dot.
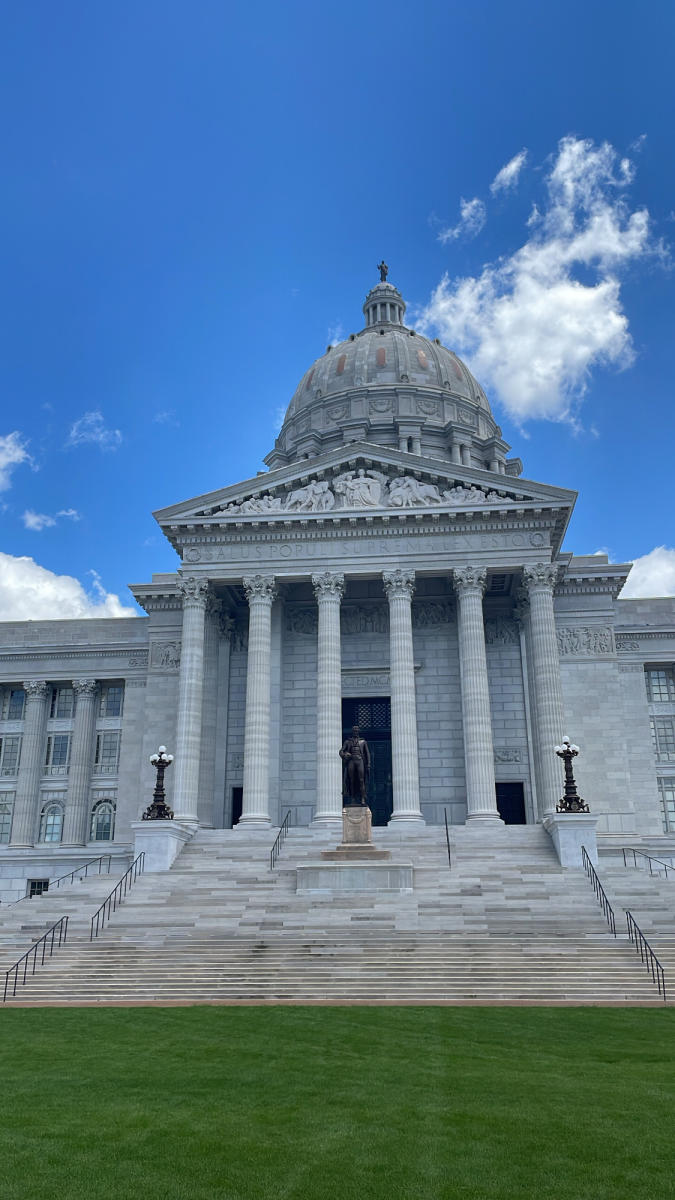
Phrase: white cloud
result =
(29, 592)
(166, 416)
(279, 417)
(92, 428)
(507, 178)
(653, 574)
(13, 452)
(530, 327)
(37, 521)
(471, 221)
(336, 333)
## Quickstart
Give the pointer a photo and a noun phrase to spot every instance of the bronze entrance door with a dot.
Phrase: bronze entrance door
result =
(373, 717)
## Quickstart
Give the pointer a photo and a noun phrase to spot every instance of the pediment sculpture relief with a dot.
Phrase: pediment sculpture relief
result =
(362, 489)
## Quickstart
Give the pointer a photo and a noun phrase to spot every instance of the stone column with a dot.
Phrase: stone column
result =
(31, 765)
(260, 592)
(207, 770)
(399, 586)
(190, 691)
(481, 799)
(328, 590)
(549, 719)
(76, 824)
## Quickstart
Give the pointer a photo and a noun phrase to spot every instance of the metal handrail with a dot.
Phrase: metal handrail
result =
(599, 890)
(115, 898)
(646, 953)
(447, 836)
(276, 848)
(56, 883)
(62, 926)
(629, 850)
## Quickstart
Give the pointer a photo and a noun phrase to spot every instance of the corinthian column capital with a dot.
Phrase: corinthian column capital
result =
(541, 575)
(35, 689)
(399, 583)
(84, 687)
(470, 579)
(328, 585)
(194, 591)
(260, 587)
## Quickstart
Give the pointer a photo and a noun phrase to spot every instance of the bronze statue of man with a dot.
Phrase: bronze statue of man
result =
(384, 271)
(356, 768)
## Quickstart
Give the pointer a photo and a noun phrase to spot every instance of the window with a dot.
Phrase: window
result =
(103, 821)
(6, 809)
(12, 703)
(111, 701)
(51, 822)
(667, 793)
(663, 737)
(37, 887)
(107, 752)
(58, 751)
(10, 753)
(63, 702)
(660, 684)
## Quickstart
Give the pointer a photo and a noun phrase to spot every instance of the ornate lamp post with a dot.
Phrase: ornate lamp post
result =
(571, 801)
(159, 809)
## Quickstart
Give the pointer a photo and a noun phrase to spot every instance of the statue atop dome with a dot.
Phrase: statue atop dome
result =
(384, 271)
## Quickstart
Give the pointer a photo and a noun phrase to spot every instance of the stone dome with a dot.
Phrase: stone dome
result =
(391, 386)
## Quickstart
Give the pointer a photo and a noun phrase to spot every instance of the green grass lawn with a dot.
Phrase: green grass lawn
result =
(353, 1103)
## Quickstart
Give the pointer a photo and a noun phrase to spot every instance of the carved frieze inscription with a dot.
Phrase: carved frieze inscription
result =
(501, 632)
(508, 754)
(364, 546)
(585, 640)
(369, 618)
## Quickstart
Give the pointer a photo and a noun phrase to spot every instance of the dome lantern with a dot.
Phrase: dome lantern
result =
(384, 304)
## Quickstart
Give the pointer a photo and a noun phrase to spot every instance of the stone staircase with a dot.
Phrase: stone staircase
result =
(504, 924)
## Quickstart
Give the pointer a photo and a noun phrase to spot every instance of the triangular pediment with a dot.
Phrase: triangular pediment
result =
(362, 480)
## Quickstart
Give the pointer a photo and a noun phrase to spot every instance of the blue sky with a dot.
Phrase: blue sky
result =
(196, 195)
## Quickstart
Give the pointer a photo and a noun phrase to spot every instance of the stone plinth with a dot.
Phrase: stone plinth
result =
(569, 832)
(356, 841)
(340, 877)
(162, 842)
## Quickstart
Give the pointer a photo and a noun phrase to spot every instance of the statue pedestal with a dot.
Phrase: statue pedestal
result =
(356, 841)
(569, 832)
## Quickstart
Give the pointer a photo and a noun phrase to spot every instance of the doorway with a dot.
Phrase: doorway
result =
(237, 803)
(511, 803)
(372, 714)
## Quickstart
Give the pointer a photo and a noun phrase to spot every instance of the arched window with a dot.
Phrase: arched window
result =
(51, 822)
(103, 821)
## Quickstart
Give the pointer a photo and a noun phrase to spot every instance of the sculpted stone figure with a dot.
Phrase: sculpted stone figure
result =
(315, 497)
(361, 489)
(406, 491)
(356, 768)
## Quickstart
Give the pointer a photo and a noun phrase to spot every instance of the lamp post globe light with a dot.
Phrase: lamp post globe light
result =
(159, 809)
(571, 801)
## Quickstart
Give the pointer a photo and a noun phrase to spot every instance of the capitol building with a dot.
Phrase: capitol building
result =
(393, 568)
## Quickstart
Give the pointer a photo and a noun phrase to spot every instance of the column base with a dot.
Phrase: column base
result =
(406, 818)
(327, 821)
(486, 818)
(253, 822)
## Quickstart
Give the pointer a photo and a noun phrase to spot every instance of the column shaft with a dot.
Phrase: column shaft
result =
(399, 586)
(549, 713)
(76, 825)
(481, 800)
(328, 589)
(260, 592)
(190, 691)
(24, 824)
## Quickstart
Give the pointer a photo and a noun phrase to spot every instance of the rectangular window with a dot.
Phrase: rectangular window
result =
(12, 703)
(667, 794)
(111, 701)
(10, 753)
(37, 887)
(6, 810)
(660, 684)
(107, 752)
(663, 737)
(63, 702)
(58, 752)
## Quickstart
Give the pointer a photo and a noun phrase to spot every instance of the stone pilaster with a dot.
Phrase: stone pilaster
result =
(190, 692)
(481, 799)
(399, 586)
(24, 824)
(328, 589)
(76, 825)
(226, 627)
(549, 719)
(260, 591)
